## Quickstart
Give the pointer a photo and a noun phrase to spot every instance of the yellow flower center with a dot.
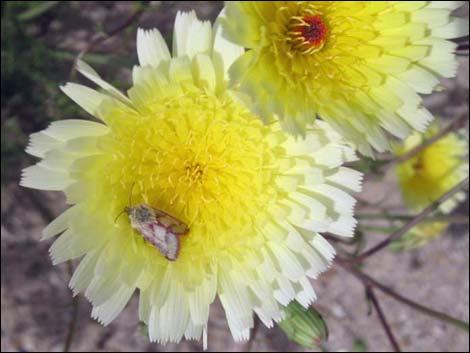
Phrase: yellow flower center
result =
(418, 165)
(194, 173)
(200, 158)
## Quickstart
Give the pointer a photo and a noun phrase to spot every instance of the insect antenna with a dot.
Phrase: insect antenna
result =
(129, 205)
(130, 194)
(119, 215)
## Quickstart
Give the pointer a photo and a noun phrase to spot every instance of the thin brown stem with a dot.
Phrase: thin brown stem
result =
(48, 216)
(105, 36)
(128, 22)
(73, 324)
(454, 125)
(409, 225)
(367, 280)
(256, 326)
(383, 320)
(457, 219)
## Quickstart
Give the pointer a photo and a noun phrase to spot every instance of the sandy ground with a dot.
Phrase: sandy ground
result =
(36, 304)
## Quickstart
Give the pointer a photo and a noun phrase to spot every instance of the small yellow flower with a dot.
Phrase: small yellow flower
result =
(254, 199)
(424, 178)
(420, 235)
(359, 65)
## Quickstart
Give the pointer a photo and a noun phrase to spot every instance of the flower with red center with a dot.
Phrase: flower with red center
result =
(307, 33)
(359, 65)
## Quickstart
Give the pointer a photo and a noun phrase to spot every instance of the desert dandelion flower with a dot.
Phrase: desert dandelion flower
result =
(420, 235)
(358, 65)
(253, 199)
(433, 171)
(426, 176)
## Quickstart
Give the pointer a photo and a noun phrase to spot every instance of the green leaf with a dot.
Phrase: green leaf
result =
(359, 346)
(37, 10)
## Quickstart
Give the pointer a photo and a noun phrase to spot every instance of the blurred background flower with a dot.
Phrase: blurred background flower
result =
(427, 175)
(420, 235)
(433, 170)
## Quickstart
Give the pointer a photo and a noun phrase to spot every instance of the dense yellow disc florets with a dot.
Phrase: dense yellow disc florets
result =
(198, 157)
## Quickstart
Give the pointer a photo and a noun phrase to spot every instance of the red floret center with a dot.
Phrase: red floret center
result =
(316, 31)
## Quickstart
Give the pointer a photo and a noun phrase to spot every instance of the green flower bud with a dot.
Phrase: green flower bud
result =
(304, 326)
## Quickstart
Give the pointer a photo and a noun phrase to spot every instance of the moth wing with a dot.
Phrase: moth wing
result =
(154, 233)
(174, 224)
(166, 242)
(172, 246)
(149, 232)
(179, 228)
(160, 213)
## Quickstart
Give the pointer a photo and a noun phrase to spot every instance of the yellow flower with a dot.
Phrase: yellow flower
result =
(424, 178)
(254, 199)
(359, 65)
(420, 235)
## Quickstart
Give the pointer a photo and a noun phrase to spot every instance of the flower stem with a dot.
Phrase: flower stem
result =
(460, 219)
(133, 18)
(366, 279)
(454, 125)
(254, 333)
(409, 225)
(72, 324)
(383, 230)
(383, 320)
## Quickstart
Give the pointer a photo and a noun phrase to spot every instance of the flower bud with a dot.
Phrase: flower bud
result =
(304, 326)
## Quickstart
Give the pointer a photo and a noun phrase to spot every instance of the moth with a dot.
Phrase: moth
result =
(159, 228)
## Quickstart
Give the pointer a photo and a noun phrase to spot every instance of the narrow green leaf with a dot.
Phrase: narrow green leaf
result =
(37, 10)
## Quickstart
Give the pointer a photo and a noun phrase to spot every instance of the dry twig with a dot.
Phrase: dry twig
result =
(383, 320)
(409, 225)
